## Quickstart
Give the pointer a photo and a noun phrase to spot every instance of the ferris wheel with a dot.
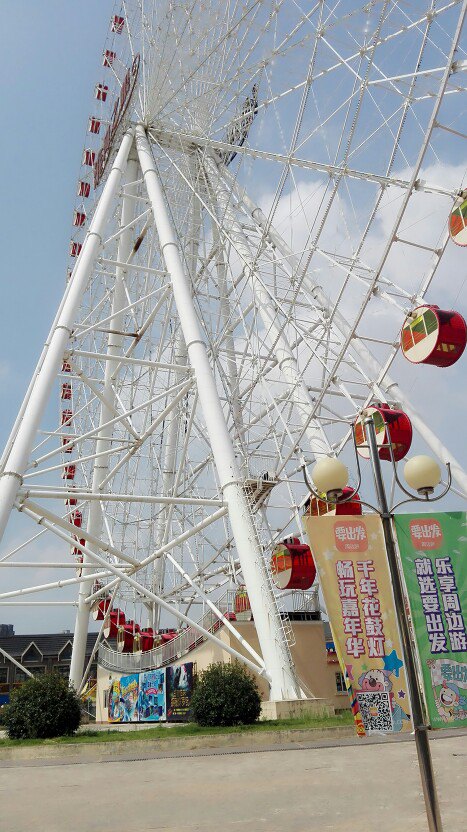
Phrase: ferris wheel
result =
(267, 198)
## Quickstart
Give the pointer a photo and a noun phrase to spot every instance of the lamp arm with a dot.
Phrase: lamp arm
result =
(415, 498)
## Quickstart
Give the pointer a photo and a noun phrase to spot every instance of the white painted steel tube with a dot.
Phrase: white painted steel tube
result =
(148, 594)
(273, 646)
(287, 364)
(103, 443)
(11, 476)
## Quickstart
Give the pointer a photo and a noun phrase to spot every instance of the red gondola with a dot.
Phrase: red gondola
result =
(75, 248)
(316, 508)
(431, 335)
(391, 426)
(94, 125)
(89, 157)
(70, 501)
(115, 619)
(117, 24)
(100, 608)
(147, 639)
(458, 220)
(126, 636)
(66, 367)
(109, 57)
(76, 518)
(79, 218)
(76, 549)
(67, 416)
(65, 441)
(66, 391)
(84, 189)
(101, 91)
(242, 606)
(69, 472)
(292, 565)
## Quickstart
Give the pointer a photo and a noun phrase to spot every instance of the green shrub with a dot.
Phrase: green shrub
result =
(226, 694)
(42, 707)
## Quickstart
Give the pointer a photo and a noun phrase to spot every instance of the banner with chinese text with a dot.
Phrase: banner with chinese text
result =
(351, 559)
(433, 549)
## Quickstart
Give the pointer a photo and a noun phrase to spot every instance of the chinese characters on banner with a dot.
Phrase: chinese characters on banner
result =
(433, 551)
(351, 559)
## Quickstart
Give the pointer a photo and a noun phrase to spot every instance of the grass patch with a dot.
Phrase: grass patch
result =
(160, 732)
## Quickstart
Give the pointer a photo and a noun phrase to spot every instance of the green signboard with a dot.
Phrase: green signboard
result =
(433, 549)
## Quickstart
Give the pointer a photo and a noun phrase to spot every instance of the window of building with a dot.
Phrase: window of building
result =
(32, 654)
(340, 683)
(3, 675)
(21, 676)
(62, 669)
(65, 652)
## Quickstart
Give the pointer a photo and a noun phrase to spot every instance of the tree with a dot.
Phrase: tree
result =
(44, 706)
(226, 694)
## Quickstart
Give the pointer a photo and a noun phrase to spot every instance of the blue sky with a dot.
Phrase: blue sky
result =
(51, 61)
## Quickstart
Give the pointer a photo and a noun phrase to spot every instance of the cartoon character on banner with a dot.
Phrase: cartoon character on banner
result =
(116, 704)
(451, 705)
(378, 681)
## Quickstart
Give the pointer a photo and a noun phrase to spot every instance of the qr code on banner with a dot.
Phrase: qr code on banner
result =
(375, 709)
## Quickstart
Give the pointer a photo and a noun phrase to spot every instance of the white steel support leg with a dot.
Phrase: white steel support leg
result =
(163, 522)
(11, 476)
(390, 387)
(271, 638)
(226, 323)
(299, 393)
(103, 443)
(172, 431)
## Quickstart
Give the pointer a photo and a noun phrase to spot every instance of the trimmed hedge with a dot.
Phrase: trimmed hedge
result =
(43, 707)
(226, 694)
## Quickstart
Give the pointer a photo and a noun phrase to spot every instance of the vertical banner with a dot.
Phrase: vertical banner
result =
(115, 706)
(151, 701)
(433, 551)
(179, 681)
(351, 558)
(129, 687)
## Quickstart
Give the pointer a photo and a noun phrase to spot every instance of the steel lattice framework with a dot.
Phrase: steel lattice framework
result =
(261, 203)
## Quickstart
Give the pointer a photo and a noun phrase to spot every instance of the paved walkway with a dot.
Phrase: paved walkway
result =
(364, 786)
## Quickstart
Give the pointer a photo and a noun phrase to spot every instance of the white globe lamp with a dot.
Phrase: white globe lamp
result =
(330, 477)
(422, 473)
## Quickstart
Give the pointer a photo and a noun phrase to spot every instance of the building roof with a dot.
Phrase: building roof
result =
(49, 644)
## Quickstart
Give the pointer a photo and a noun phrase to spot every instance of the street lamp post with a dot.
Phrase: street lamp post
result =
(421, 733)
(423, 474)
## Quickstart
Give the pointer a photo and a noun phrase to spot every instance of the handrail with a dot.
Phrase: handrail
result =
(160, 656)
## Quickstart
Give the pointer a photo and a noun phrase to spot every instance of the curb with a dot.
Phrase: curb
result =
(97, 751)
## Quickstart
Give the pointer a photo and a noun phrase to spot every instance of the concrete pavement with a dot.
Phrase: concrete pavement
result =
(355, 786)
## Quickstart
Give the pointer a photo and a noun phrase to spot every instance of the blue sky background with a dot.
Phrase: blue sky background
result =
(51, 62)
(51, 58)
